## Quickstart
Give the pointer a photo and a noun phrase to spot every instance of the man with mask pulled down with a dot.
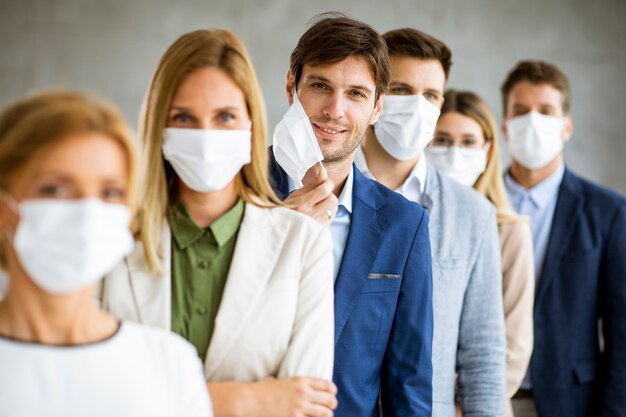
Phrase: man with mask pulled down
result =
(579, 236)
(383, 288)
(467, 283)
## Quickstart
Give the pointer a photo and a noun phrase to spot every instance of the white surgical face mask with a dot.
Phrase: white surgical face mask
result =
(535, 139)
(463, 165)
(207, 160)
(295, 146)
(67, 245)
(406, 125)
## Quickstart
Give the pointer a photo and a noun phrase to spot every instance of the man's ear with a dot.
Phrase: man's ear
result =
(378, 108)
(290, 86)
(568, 129)
(505, 132)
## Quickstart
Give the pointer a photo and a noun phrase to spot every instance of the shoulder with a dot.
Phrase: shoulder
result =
(515, 233)
(285, 217)
(461, 201)
(596, 195)
(156, 342)
(281, 221)
(391, 200)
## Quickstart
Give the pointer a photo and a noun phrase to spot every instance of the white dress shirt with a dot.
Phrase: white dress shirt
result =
(340, 225)
(412, 188)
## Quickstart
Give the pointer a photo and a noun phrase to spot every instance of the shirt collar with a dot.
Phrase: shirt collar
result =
(345, 198)
(542, 193)
(185, 231)
(418, 173)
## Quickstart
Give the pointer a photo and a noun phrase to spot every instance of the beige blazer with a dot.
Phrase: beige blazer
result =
(276, 315)
(518, 288)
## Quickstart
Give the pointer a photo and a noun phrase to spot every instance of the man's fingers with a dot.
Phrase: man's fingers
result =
(315, 175)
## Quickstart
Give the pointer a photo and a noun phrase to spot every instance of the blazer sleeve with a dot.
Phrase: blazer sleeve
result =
(518, 290)
(406, 383)
(481, 350)
(613, 310)
(311, 348)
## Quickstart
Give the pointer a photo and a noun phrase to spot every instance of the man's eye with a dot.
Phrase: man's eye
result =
(319, 86)
(399, 90)
(441, 141)
(430, 96)
(358, 94)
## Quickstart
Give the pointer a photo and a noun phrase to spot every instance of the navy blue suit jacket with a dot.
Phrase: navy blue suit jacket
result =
(383, 305)
(583, 281)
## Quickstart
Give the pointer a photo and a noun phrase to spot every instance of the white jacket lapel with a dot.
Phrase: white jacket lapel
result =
(258, 245)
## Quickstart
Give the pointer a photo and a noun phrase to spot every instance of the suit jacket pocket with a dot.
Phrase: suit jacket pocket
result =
(381, 283)
(585, 371)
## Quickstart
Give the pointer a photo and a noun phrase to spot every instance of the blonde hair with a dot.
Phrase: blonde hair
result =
(191, 52)
(490, 183)
(31, 126)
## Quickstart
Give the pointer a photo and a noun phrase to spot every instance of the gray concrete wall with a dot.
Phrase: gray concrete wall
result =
(111, 47)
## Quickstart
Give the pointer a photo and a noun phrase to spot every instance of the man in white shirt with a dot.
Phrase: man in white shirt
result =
(467, 283)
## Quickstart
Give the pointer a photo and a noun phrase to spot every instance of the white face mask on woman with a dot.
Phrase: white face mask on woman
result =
(464, 165)
(406, 125)
(535, 139)
(206, 159)
(67, 245)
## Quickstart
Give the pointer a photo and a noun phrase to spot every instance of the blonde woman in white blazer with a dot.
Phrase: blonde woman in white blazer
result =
(268, 342)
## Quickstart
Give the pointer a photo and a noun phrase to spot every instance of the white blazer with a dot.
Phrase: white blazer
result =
(276, 315)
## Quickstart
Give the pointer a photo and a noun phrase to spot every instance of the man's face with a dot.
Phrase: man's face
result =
(411, 75)
(526, 97)
(340, 100)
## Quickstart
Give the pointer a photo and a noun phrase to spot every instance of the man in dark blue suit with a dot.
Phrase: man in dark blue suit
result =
(579, 236)
(383, 287)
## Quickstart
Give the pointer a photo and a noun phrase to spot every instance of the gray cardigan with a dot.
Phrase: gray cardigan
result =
(469, 336)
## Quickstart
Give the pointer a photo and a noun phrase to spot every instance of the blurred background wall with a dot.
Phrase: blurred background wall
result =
(111, 47)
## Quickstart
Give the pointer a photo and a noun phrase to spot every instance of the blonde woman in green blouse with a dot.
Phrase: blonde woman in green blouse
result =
(247, 282)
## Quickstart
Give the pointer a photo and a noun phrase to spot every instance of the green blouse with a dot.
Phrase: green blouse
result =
(200, 263)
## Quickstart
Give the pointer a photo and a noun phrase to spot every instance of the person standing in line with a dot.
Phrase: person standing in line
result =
(465, 147)
(67, 194)
(469, 339)
(338, 76)
(578, 366)
(218, 261)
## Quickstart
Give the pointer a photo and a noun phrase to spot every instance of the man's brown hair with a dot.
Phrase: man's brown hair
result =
(334, 37)
(537, 72)
(417, 44)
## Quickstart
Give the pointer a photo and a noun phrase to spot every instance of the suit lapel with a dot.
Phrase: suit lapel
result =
(431, 194)
(152, 295)
(256, 252)
(364, 239)
(568, 205)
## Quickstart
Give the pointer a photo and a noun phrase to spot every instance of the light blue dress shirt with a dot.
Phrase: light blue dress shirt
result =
(340, 225)
(539, 204)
